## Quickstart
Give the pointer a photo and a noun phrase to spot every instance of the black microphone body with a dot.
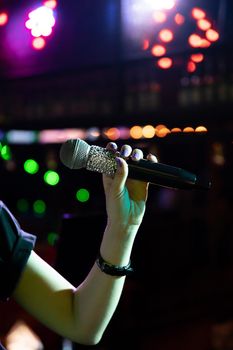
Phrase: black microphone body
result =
(77, 154)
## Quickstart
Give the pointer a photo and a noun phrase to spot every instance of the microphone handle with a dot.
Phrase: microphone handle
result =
(165, 175)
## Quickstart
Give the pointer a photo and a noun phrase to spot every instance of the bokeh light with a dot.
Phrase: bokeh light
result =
(51, 178)
(39, 207)
(165, 63)
(82, 195)
(41, 21)
(31, 166)
(3, 18)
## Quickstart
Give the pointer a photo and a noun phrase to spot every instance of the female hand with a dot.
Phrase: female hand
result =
(125, 197)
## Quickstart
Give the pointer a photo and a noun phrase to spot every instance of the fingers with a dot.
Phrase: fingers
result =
(126, 152)
(152, 158)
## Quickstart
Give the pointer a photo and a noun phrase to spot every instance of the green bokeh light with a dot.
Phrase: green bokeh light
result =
(5, 152)
(51, 178)
(31, 166)
(82, 195)
(52, 238)
(39, 207)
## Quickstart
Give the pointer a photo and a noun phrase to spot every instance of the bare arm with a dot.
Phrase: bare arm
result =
(83, 313)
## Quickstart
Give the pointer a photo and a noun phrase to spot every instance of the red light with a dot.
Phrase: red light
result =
(145, 44)
(191, 67)
(194, 40)
(158, 50)
(203, 24)
(197, 57)
(3, 18)
(165, 63)
(38, 43)
(166, 35)
(198, 13)
(212, 35)
(179, 19)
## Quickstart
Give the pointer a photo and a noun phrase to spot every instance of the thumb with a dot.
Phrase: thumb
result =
(120, 174)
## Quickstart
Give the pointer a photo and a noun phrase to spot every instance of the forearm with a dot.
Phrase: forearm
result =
(97, 298)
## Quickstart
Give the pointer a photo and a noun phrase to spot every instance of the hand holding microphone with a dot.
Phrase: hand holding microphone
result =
(77, 154)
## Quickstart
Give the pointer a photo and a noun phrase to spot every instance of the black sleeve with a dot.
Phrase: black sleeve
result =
(15, 248)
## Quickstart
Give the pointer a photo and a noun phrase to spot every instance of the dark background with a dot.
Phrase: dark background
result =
(93, 73)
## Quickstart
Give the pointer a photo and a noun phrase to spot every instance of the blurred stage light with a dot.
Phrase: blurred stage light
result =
(197, 57)
(159, 16)
(198, 13)
(51, 178)
(148, 131)
(52, 4)
(152, 22)
(165, 63)
(3, 18)
(52, 238)
(39, 207)
(166, 35)
(41, 21)
(212, 35)
(82, 195)
(31, 166)
(21, 136)
(6, 152)
(38, 43)
(191, 67)
(136, 132)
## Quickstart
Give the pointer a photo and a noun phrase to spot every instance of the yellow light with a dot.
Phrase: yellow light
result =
(201, 129)
(148, 131)
(136, 132)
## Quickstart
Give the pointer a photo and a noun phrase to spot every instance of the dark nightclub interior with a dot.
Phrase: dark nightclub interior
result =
(153, 74)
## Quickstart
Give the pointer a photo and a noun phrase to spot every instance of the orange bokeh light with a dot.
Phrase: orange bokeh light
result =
(195, 40)
(197, 57)
(166, 35)
(205, 43)
(38, 43)
(52, 4)
(136, 132)
(165, 62)
(158, 50)
(188, 129)
(112, 133)
(212, 35)
(198, 13)
(161, 130)
(203, 24)
(176, 130)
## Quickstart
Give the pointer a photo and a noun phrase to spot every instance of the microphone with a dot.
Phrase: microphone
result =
(77, 154)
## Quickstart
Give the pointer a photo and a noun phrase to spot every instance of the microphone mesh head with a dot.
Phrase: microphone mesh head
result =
(74, 153)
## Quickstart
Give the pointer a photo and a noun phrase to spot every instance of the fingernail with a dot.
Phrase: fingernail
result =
(119, 162)
(135, 156)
